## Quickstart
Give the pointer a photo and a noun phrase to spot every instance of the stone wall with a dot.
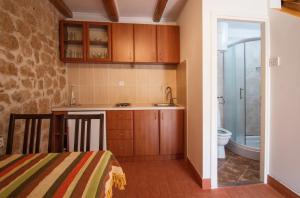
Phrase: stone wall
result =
(32, 78)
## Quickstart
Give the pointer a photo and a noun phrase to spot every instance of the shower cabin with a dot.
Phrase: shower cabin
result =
(239, 86)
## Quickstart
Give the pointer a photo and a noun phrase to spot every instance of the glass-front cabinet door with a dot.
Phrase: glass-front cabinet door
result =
(72, 41)
(98, 42)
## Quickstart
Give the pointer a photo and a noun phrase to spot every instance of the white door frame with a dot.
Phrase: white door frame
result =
(265, 97)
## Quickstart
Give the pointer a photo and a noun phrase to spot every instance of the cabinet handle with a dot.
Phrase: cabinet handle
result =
(155, 117)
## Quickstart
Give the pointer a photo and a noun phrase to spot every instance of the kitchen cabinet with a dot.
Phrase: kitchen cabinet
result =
(145, 43)
(72, 41)
(171, 132)
(168, 44)
(120, 132)
(122, 42)
(85, 42)
(146, 132)
(98, 42)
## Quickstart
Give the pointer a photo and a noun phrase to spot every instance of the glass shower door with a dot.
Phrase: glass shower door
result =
(253, 81)
(234, 92)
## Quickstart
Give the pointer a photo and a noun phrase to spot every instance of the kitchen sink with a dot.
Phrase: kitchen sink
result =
(165, 105)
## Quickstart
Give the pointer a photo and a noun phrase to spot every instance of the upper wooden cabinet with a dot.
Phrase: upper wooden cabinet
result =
(85, 41)
(168, 44)
(145, 43)
(122, 42)
(72, 41)
(96, 42)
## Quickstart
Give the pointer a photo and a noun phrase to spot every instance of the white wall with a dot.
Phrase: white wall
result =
(285, 100)
(190, 21)
(244, 9)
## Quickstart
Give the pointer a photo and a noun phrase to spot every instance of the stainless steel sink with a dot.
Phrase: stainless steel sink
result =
(165, 105)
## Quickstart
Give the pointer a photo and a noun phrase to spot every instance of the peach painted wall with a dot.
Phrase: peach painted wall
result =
(100, 83)
(190, 22)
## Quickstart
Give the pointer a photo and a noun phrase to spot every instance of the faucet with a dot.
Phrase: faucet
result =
(169, 95)
(72, 98)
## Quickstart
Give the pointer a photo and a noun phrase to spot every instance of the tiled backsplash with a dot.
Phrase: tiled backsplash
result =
(114, 83)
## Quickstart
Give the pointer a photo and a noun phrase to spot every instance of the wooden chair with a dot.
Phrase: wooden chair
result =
(32, 137)
(84, 120)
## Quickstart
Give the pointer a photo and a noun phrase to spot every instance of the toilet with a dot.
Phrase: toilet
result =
(223, 138)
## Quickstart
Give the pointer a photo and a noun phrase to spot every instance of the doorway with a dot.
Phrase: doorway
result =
(239, 93)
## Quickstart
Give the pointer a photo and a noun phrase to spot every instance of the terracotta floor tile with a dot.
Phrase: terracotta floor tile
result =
(174, 179)
(237, 170)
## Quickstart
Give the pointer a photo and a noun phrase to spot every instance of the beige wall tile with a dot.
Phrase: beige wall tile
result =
(86, 94)
(142, 94)
(101, 95)
(99, 83)
(101, 75)
(86, 75)
(73, 74)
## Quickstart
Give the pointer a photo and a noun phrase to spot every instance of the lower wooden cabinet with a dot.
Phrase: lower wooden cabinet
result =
(171, 132)
(146, 132)
(120, 133)
(121, 148)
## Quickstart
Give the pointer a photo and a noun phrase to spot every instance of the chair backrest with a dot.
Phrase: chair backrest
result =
(84, 130)
(32, 132)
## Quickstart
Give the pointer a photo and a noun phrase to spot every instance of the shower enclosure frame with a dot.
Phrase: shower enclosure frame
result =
(243, 42)
(265, 96)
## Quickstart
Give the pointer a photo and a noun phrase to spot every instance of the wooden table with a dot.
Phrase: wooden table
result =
(74, 174)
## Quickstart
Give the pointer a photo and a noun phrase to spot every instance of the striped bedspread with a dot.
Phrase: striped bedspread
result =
(75, 174)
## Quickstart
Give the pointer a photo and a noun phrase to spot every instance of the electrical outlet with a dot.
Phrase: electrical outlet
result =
(274, 61)
(121, 83)
(1, 142)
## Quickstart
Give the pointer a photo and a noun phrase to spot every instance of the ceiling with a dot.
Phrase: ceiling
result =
(128, 8)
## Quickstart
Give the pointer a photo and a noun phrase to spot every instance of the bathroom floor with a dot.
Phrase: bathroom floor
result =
(237, 170)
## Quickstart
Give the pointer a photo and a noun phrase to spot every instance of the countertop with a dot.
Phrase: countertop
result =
(100, 107)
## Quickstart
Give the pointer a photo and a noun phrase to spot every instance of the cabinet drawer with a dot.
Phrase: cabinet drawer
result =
(119, 124)
(120, 134)
(119, 115)
(121, 147)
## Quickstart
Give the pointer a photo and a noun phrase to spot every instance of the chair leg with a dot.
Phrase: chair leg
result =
(10, 135)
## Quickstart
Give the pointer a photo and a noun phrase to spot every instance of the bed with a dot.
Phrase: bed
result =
(70, 174)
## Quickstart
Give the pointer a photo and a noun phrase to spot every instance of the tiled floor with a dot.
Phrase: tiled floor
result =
(174, 179)
(237, 170)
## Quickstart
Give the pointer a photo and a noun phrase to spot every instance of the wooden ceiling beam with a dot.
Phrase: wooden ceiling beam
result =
(294, 5)
(62, 8)
(111, 10)
(159, 10)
